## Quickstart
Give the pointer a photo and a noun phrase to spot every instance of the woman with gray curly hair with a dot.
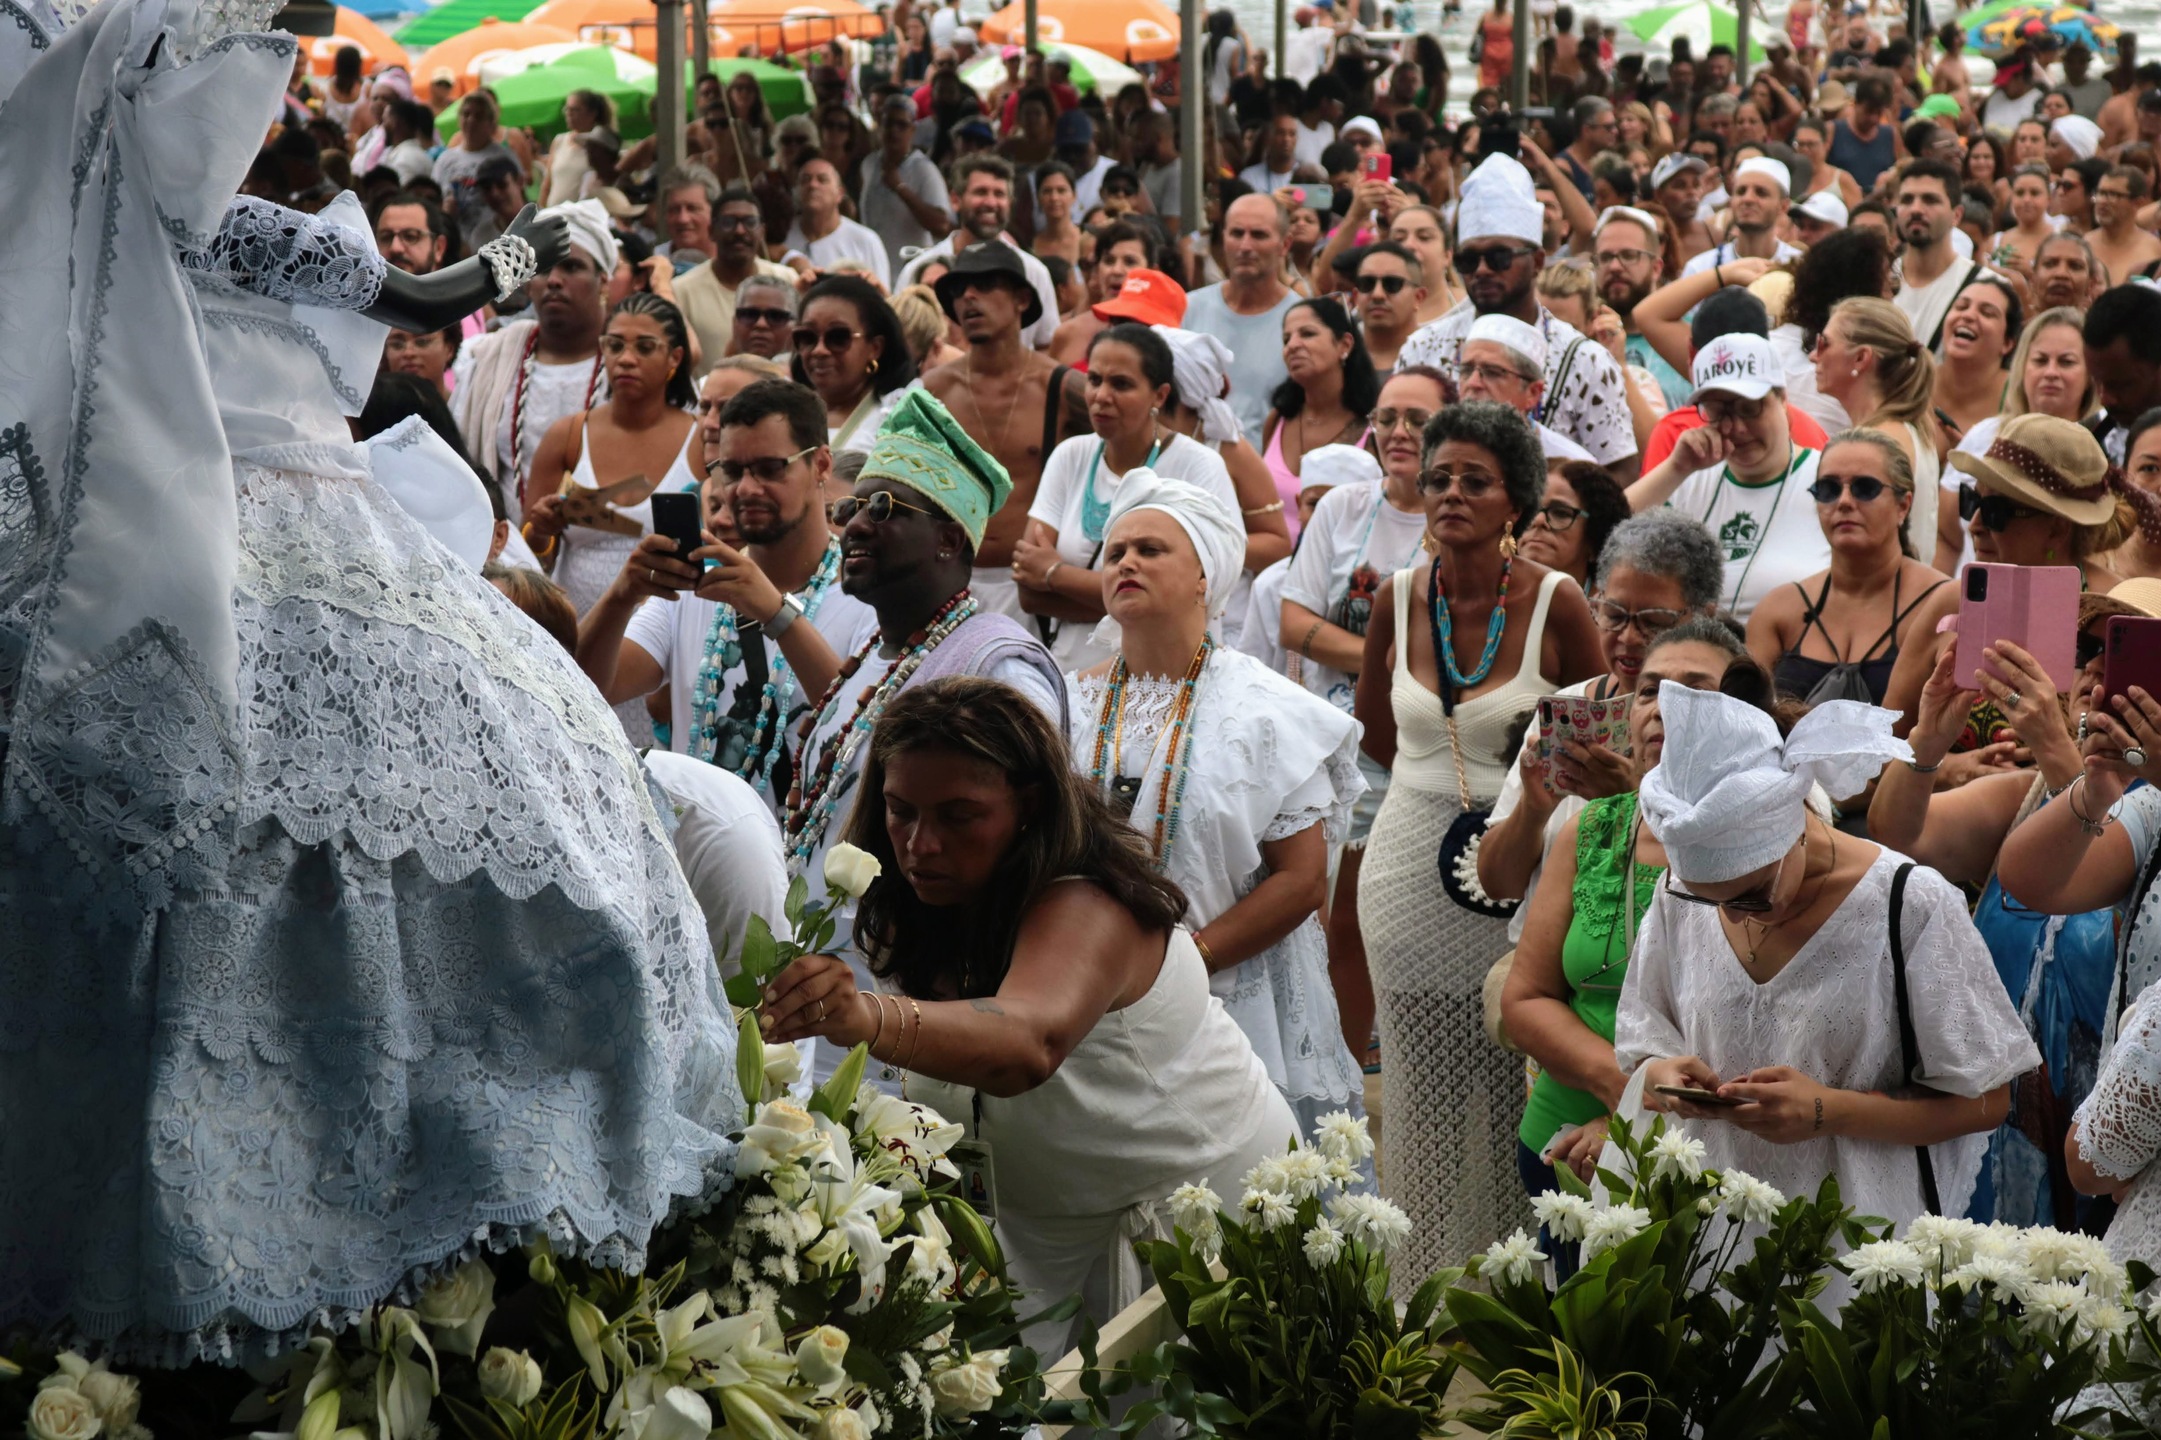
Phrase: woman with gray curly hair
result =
(1458, 650)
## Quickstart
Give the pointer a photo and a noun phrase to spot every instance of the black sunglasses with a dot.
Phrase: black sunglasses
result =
(767, 468)
(837, 338)
(1393, 284)
(878, 506)
(1867, 489)
(2089, 648)
(1494, 257)
(760, 315)
(1757, 904)
(1997, 512)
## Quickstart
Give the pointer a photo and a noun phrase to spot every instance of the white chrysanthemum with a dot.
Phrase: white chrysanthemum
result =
(1676, 1153)
(1883, 1263)
(1745, 1198)
(1341, 1136)
(1614, 1225)
(2153, 1307)
(1268, 1175)
(1373, 1222)
(2101, 1318)
(2057, 1255)
(1322, 1244)
(1267, 1210)
(2053, 1304)
(1515, 1259)
(1305, 1173)
(1194, 1208)
(2007, 1277)
(1563, 1215)
(1944, 1241)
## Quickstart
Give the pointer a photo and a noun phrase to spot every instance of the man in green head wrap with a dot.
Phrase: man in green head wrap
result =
(923, 447)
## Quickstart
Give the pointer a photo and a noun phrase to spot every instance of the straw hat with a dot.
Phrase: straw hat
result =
(2141, 597)
(1831, 97)
(2049, 464)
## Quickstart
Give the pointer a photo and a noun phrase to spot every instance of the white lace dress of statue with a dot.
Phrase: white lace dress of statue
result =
(338, 934)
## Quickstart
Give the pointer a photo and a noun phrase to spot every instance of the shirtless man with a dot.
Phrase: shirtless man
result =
(1121, 248)
(2117, 241)
(1000, 391)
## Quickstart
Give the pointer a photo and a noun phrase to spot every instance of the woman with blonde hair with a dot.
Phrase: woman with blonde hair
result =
(924, 326)
(1868, 361)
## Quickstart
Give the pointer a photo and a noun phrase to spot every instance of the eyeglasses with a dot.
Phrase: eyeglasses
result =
(766, 468)
(736, 222)
(1494, 257)
(1440, 482)
(1759, 903)
(645, 345)
(2065, 183)
(1492, 374)
(2111, 194)
(1393, 284)
(1650, 623)
(760, 315)
(1997, 512)
(1716, 411)
(1625, 257)
(1412, 420)
(836, 338)
(877, 507)
(1558, 518)
(1866, 489)
(401, 237)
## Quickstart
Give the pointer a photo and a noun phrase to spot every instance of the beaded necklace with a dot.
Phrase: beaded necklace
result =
(517, 399)
(1178, 751)
(1494, 626)
(810, 810)
(1095, 510)
(724, 651)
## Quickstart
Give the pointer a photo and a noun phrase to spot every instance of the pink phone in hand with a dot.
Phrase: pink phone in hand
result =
(2035, 607)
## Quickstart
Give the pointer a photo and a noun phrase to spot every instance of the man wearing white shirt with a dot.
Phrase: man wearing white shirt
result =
(984, 208)
(1931, 272)
(826, 235)
(1279, 156)
(1325, 102)
(1760, 188)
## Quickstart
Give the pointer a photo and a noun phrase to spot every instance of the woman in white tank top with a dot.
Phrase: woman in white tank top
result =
(1038, 987)
(1451, 1099)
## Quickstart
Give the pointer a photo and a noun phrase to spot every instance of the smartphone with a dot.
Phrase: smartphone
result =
(1378, 165)
(676, 515)
(2035, 607)
(1582, 721)
(2131, 655)
(1320, 199)
(1697, 1097)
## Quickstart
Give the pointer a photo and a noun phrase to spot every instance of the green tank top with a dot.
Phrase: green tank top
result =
(1594, 956)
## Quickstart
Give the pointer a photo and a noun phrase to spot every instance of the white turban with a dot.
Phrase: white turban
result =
(1331, 465)
(589, 231)
(1500, 203)
(1200, 367)
(1728, 796)
(431, 484)
(1513, 334)
(2080, 136)
(1215, 529)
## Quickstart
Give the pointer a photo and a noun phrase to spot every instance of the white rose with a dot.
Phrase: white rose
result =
(969, 1388)
(116, 1396)
(62, 1412)
(841, 1425)
(511, 1376)
(783, 1067)
(457, 1307)
(782, 1133)
(819, 1356)
(850, 870)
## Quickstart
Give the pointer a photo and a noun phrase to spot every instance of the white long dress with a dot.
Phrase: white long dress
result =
(1268, 761)
(2119, 1127)
(316, 981)
(1832, 1014)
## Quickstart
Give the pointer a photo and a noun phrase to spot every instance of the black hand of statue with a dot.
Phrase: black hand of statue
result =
(549, 235)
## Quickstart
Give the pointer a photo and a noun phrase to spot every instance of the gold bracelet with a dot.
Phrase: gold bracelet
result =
(879, 1033)
(1208, 956)
(526, 530)
(917, 1006)
(1268, 509)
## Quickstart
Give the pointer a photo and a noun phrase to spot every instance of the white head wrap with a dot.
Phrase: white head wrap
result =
(431, 484)
(1728, 796)
(589, 231)
(1516, 335)
(1500, 202)
(1774, 171)
(1215, 529)
(1328, 466)
(1200, 367)
(2080, 136)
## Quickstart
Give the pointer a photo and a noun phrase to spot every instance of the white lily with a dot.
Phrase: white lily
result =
(849, 1205)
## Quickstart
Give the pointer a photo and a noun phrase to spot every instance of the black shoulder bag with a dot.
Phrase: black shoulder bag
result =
(1459, 847)
(1909, 1048)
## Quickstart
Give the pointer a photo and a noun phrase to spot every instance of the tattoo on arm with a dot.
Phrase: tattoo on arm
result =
(988, 1007)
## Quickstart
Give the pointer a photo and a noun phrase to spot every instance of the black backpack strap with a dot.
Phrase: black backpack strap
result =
(1909, 1048)
(1054, 410)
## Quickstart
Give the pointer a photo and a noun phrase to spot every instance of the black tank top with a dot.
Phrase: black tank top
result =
(1803, 678)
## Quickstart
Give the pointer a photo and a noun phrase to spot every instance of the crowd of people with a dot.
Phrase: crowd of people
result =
(1358, 629)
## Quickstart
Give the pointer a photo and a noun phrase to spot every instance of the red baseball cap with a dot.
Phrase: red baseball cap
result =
(1149, 296)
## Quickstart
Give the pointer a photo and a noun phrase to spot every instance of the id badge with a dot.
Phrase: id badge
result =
(978, 1176)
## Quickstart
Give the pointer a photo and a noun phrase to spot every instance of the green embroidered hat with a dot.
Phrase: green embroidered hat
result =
(923, 447)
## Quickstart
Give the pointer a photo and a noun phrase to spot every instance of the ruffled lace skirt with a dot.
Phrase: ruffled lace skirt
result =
(434, 984)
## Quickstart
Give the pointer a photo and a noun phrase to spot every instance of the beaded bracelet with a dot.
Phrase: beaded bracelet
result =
(917, 1006)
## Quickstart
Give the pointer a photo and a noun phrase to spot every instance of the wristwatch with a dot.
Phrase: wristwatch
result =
(790, 611)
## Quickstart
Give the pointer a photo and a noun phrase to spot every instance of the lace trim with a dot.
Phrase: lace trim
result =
(1605, 829)
(296, 333)
(269, 250)
(2120, 1121)
(24, 21)
(22, 565)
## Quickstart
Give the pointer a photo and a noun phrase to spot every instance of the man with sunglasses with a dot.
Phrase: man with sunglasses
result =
(765, 309)
(1015, 402)
(1391, 286)
(706, 293)
(1499, 258)
(743, 639)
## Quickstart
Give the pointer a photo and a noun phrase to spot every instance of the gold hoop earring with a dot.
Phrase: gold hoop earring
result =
(874, 367)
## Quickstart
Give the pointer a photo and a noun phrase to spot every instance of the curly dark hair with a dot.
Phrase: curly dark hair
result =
(1851, 262)
(1504, 433)
(1361, 382)
(1603, 502)
(964, 951)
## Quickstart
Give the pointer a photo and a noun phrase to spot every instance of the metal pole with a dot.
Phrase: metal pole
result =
(1741, 18)
(1519, 89)
(701, 38)
(668, 85)
(1283, 34)
(1192, 101)
(1028, 21)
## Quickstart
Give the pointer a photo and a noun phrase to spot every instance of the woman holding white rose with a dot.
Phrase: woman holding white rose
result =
(1038, 979)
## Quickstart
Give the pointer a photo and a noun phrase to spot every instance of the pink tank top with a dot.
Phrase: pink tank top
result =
(1286, 478)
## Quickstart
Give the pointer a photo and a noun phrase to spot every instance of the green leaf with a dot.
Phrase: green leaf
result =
(750, 1063)
(836, 1097)
(798, 892)
(760, 951)
(743, 992)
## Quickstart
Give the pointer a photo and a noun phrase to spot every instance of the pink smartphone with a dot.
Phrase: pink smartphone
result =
(2035, 607)
(2132, 657)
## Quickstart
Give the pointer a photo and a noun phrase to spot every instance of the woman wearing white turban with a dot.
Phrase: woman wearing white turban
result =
(1239, 779)
(1767, 971)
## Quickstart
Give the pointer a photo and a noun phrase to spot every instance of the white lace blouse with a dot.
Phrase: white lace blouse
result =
(2119, 1128)
(1832, 1013)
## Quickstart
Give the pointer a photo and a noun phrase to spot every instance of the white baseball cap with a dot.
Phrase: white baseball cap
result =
(1360, 125)
(1774, 171)
(1824, 206)
(1742, 365)
(1675, 164)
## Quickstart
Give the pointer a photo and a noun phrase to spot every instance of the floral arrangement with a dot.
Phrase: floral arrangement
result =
(836, 1291)
(1297, 1336)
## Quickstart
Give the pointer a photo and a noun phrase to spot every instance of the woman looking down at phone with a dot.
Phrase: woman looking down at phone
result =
(2058, 973)
(1772, 963)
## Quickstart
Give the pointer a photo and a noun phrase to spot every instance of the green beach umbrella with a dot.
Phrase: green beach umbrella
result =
(1093, 71)
(532, 92)
(1701, 22)
(455, 17)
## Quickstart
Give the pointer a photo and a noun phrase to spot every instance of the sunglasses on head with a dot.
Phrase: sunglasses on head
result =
(835, 338)
(1997, 512)
(877, 507)
(1494, 257)
(1867, 489)
(1393, 284)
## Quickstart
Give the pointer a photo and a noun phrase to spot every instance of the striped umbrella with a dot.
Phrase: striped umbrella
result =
(1701, 22)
